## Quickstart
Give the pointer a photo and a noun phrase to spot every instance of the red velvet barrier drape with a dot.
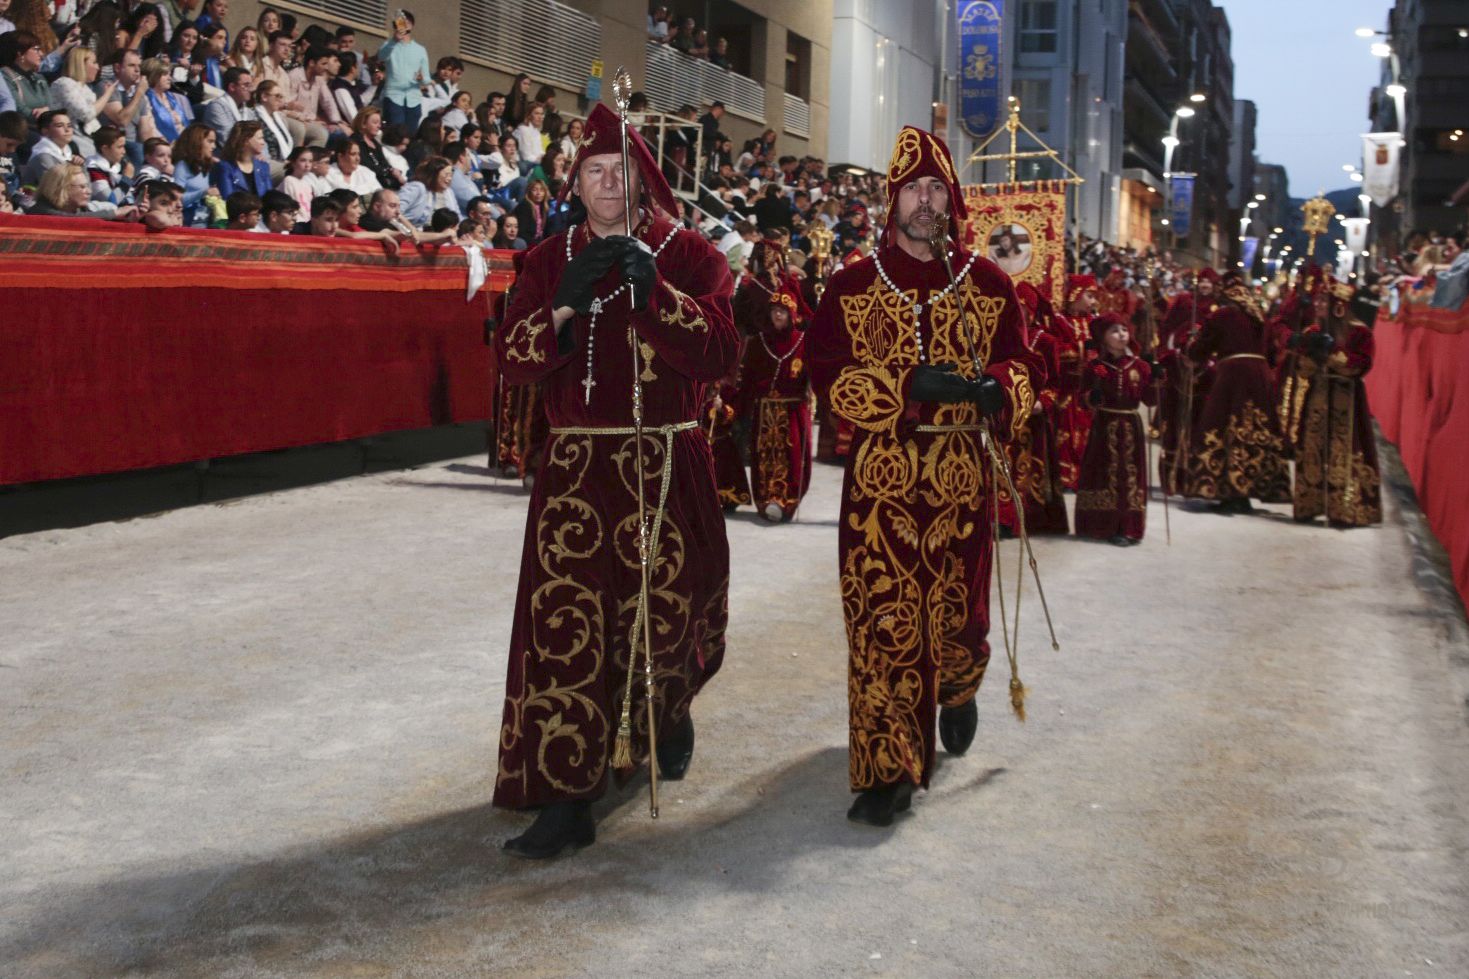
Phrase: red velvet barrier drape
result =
(1419, 392)
(121, 348)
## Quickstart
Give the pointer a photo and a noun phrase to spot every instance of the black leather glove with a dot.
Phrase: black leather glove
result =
(939, 383)
(1094, 396)
(1295, 341)
(580, 277)
(989, 394)
(1319, 346)
(638, 268)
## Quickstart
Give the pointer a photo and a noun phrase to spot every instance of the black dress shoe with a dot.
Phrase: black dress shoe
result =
(877, 806)
(676, 750)
(560, 825)
(1119, 540)
(957, 726)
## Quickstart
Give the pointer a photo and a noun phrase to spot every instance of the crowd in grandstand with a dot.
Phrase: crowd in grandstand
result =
(174, 113)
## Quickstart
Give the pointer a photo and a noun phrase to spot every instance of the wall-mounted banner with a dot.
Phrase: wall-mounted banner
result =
(1380, 166)
(1356, 236)
(981, 99)
(1181, 207)
(1247, 253)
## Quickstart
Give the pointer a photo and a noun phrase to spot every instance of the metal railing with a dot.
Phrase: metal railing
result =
(798, 116)
(674, 79)
(554, 42)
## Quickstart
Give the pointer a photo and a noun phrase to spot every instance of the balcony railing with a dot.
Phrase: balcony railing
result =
(674, 79)
(798, 116)
(553, 41)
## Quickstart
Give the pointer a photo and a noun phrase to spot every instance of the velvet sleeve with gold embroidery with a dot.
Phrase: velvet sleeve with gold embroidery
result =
(525, 343)
(1020, 369)
(871, 396)
(688, 321)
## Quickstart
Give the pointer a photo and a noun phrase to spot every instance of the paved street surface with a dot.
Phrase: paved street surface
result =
(257, 739)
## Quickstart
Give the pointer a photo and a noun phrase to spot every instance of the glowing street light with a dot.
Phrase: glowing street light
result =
(1196, 97)
(1396, 91)
(1381, 49)
(1366, 32)
(1184, 112)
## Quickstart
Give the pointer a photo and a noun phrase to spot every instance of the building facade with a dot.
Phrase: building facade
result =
(1429, 40)
(780, 53)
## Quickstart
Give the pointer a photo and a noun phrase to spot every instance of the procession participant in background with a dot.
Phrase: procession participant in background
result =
(1032, 457)
(1114, 297)
(1112, 494)
(587, 303)
(777, 393)
(1184, 387)
(1236, 450)
(918, 368)
(723, 407)
(1295, 314)
(1073, 417)
(1337, 454)
(770, 274)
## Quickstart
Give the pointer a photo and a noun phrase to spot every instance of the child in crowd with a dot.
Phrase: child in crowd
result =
(1112, 489)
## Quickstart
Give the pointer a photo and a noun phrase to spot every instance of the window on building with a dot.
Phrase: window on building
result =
(1035, 103)
(1038, 26)
(798, 65)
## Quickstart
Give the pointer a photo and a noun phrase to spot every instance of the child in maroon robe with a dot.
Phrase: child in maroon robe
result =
(778, 384)
(1112, 490)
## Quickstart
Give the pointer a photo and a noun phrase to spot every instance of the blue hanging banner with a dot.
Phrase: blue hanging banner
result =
(980, 97)
(1247, 253)
(1181, 208)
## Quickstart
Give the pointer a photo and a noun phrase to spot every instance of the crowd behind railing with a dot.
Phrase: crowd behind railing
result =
(174, 113)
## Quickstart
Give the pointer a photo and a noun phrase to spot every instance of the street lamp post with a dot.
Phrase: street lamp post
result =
(1170, 143)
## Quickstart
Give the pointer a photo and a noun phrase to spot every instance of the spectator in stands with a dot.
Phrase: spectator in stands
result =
(297, 182)
(167, 111)
(490, 115)
(184, 54)
(574, 131)
(349, 225)
(552, 169)
(429, 191)
(193, 159)
(53, 148)
(7, 203)
(658, 25)
(30, 90)
(482, 212)
(444, 84)
(532, 213)
(509, 236)
(427, 142)
(461, 183)
(160, 205)
(344, 86)
(278, 65)
(243, 211)
(719, 56)
(242, 164)
(405, 64)
(362, 76)
(213, 46)
(13, 132)
(73, 91)
(157, 161)
(684, 39)
(326, 214)
(506, 163)
(144, 27)
(318, 104)
(6, 24)
(470, 234)
(65, 192)
(710, 123)
(225, 112)
(551, 123)
(268, 22)
(321, 171)
(268, 108)
(108, 169)
(246, 53)
(700, 47)
(367, 129)
(530, 139)
(457, 116)
(278, 212)
(383, 213)
(372, 91)
(517, 106)
(347, 171)
(215, 11)
(395, 148)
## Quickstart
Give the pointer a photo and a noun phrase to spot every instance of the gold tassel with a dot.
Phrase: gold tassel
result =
(1017, 698)
(622, 747)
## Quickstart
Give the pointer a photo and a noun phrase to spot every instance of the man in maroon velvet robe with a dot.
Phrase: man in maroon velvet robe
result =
(590, 302)
(1073, 416)
(920, 377)
(1184, 386)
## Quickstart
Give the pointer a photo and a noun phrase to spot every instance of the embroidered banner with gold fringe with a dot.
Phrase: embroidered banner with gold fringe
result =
(1022, 228)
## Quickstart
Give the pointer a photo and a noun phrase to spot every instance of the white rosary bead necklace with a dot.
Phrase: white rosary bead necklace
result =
(918, 307)
(605, 302)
